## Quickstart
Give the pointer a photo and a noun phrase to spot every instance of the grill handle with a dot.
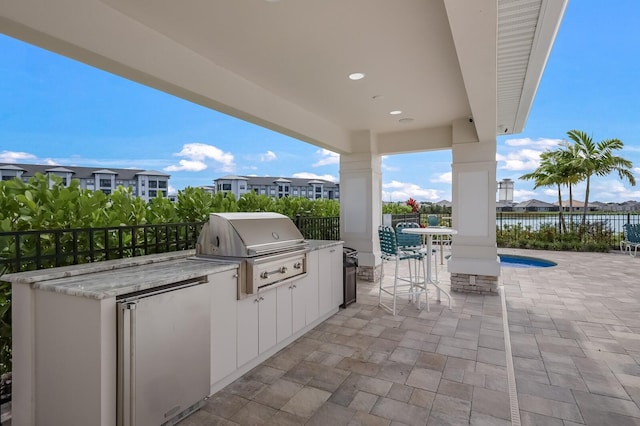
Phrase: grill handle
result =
(280, 270)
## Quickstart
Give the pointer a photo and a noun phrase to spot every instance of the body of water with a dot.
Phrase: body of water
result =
(615, 222)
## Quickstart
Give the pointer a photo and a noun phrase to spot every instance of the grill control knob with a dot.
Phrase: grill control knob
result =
(297, 265)
(283, 270)
(264, 275)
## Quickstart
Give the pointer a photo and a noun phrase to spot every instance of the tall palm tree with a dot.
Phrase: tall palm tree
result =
(598, 159)
(549, 173)
(569, 171)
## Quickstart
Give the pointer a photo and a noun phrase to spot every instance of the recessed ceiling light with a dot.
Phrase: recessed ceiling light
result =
(405, 120)
(396, 112)
(356, 76)
(377, 97)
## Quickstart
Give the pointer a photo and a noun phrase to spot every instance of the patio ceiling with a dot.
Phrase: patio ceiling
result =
(285, 64)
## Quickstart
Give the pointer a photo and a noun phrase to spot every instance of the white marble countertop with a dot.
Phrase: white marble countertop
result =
(114, 278)
(106, 284)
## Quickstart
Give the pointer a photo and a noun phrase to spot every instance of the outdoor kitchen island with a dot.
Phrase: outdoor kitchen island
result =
(66, 338)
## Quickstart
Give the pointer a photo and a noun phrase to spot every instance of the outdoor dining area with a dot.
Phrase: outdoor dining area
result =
(414, 244)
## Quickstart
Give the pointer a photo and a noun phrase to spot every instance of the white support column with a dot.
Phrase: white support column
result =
(474, 263)
(360, 202)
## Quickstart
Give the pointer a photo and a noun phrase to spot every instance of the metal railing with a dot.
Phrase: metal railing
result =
(319, 228)
(603, 226)
(29, 250)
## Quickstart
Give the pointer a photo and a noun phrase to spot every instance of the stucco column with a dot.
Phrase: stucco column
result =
(360, 202)
(474, 263)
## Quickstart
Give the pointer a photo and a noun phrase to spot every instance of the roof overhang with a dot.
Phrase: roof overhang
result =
(284, 64)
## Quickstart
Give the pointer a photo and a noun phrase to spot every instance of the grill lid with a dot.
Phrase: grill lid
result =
(248, 235)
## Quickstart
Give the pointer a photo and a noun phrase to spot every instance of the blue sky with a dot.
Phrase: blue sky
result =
(58, 111)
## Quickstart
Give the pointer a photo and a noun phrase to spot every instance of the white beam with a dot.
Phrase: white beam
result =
(418, 140)
(474, 27)
(94, 33)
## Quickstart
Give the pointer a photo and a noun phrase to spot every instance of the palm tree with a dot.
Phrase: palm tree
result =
(550, 173)
(569, 171)
(598, 159)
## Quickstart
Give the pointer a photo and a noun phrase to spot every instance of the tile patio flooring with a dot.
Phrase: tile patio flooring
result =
(574, 336)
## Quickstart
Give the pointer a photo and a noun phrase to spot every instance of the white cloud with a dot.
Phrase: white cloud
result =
(636, 170)
(15, 156)
(402, 191)
(249, 167)
(307, 175)
(446, 177)
(390, 168)
(523, 195)
(538, 143)
(172, 190)
(386, 167)
(524, 159)
(326, 158)
(612, 190)
(268, 156)
(187, 166)
(197, 154)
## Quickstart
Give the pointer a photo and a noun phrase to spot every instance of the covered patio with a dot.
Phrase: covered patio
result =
(573, 333)
(364, 79)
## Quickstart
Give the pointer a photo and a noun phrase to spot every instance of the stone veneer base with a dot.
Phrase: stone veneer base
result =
(478, 284)
(369, 273)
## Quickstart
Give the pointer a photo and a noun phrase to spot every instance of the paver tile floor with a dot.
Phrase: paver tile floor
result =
(573, 335)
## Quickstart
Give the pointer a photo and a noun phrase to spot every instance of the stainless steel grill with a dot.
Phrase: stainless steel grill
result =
(268, 248)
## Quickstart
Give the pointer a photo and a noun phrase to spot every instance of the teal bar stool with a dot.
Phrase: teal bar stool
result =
(412, 286)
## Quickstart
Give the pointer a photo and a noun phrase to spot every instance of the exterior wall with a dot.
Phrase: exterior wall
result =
(273, 189)
(10, 174)
(141, 182)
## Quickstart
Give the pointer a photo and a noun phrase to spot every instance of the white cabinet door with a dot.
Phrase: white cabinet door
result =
(337, 288)
(284, 325)
(247, 322)
(267, 320)
(223, 324)
(310, 288)
(330, 278)
(298, 302)
(325, 299)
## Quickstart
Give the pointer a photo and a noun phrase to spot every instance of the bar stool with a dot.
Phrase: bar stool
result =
(412, 286)
(413, 242)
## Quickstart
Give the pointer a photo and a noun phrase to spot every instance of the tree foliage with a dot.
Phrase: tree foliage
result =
(37, 204)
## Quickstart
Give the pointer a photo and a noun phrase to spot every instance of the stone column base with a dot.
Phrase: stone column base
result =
(478, 284)
(369, 273)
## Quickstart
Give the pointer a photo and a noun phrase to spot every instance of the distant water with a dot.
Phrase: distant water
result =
(615, 222)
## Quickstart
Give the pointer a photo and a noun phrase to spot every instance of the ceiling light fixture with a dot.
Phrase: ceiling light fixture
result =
(405, 120)
(356, 76)
(396, 112)
(377, 97)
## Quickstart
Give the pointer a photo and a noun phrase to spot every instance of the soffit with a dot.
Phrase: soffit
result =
(303, 51)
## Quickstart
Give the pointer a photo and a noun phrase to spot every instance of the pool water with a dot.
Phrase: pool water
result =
(513, 261)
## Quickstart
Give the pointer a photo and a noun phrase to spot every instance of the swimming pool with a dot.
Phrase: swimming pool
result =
(513, 261)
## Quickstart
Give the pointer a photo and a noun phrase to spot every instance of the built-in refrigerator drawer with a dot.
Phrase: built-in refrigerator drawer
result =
(163, 353)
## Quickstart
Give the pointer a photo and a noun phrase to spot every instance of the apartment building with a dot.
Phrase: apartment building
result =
(146, 184)
(278, 187)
